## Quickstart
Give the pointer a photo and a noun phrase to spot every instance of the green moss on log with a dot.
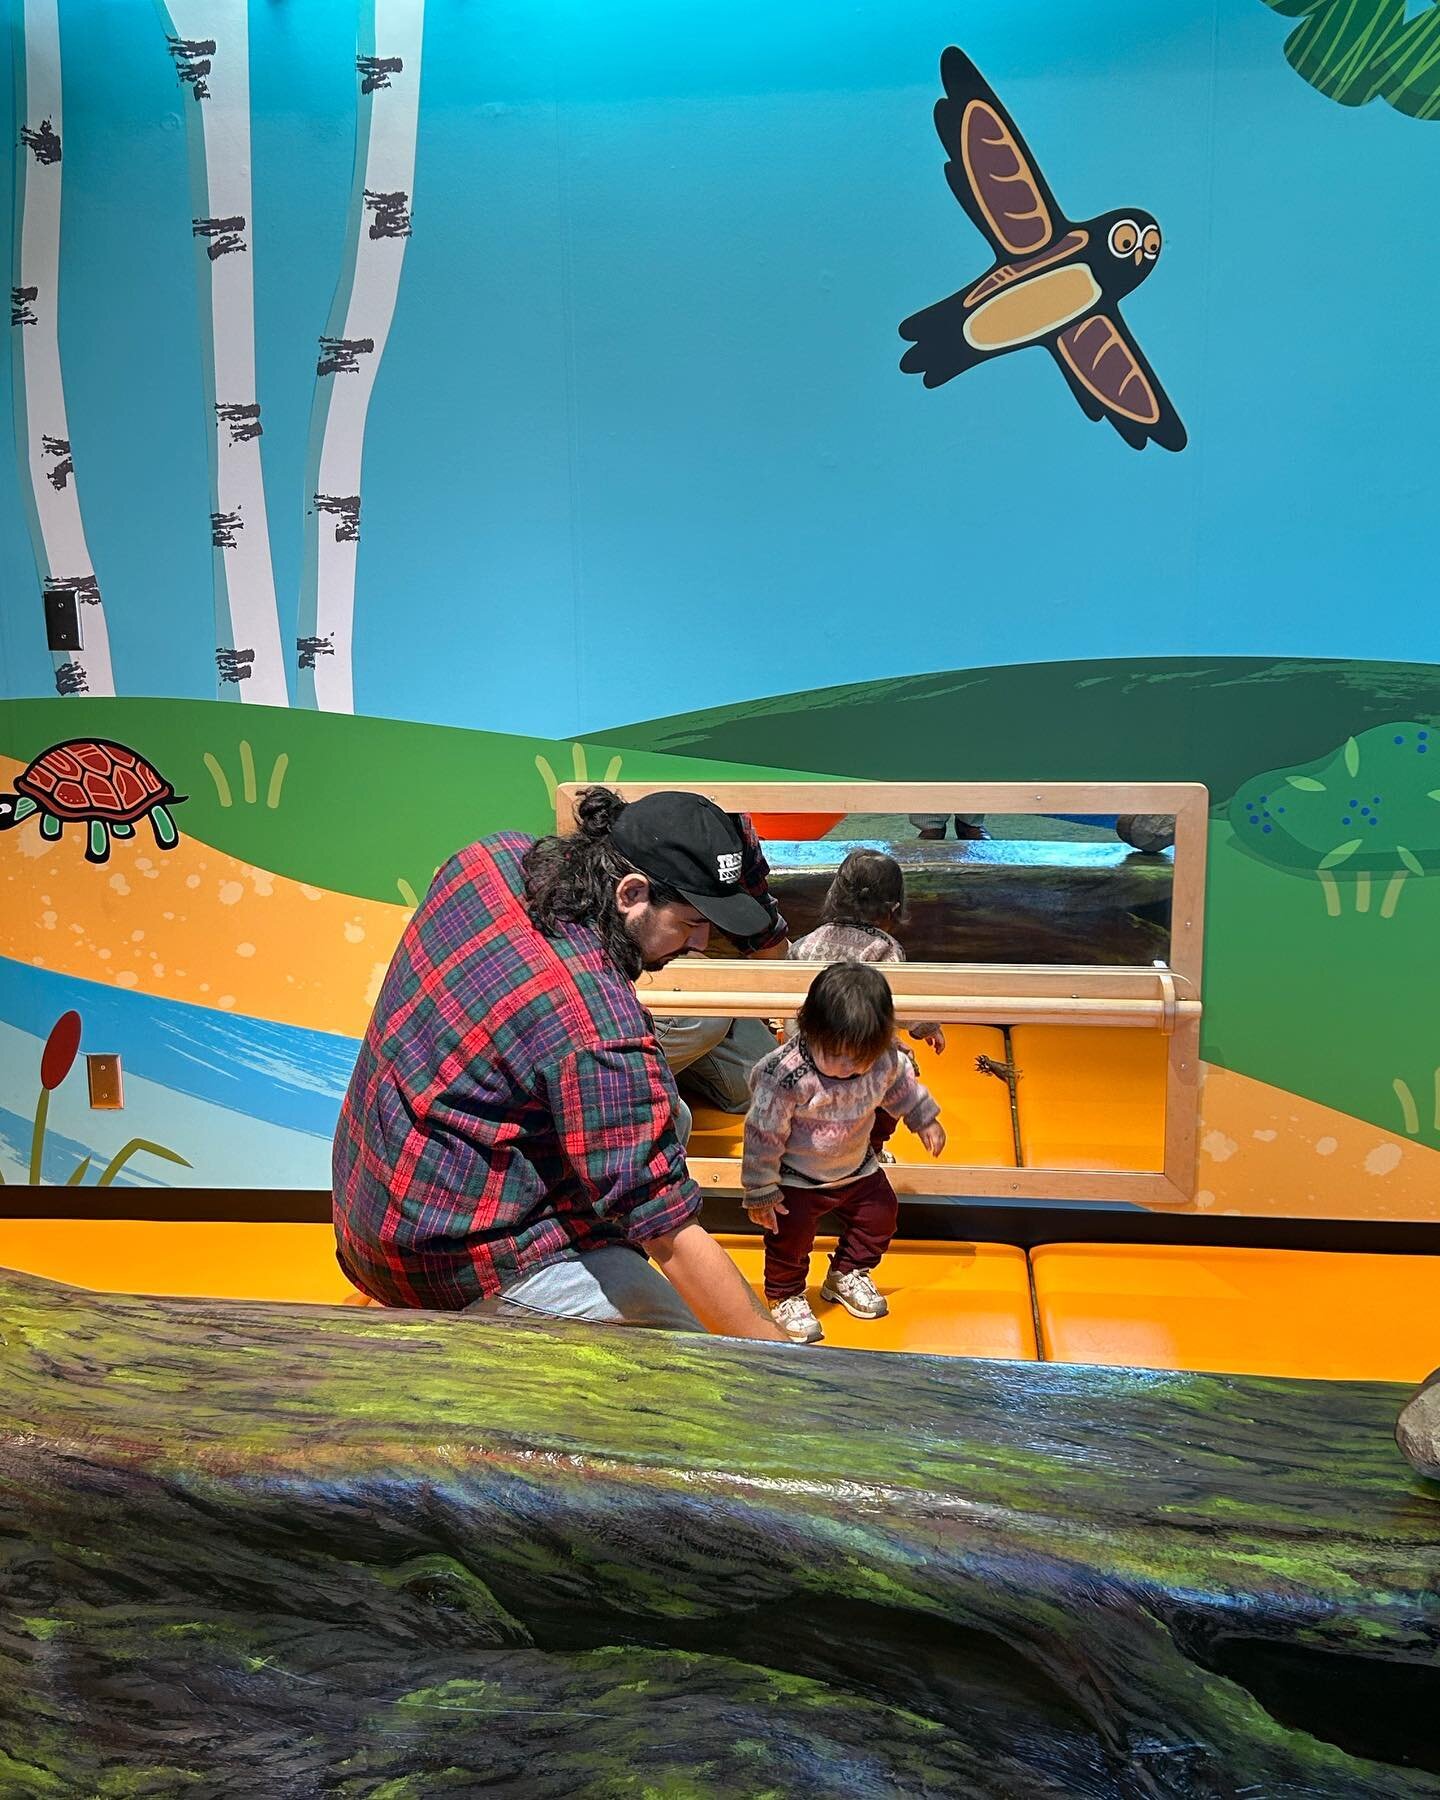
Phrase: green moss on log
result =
(277, 1551)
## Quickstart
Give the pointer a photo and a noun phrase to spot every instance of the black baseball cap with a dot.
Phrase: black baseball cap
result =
(689, 844)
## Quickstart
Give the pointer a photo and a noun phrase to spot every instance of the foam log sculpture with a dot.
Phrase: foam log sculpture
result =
(283, 1551)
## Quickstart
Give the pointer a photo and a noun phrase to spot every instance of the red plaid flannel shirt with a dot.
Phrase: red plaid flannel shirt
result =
(509, 1106)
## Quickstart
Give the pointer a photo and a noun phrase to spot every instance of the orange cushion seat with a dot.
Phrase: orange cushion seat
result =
(1330, 1315)
(946, 1299)
(208, 1259)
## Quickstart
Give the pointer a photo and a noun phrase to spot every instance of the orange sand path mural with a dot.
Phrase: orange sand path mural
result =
(194, 924)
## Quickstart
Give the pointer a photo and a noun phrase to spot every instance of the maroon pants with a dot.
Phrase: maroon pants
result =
(866, 1212)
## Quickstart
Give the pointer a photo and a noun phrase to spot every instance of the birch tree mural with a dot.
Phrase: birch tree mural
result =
(387, 70)
(42, 430)
(210, 45)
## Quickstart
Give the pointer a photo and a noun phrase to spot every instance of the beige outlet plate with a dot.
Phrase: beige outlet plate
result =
(106, 1091)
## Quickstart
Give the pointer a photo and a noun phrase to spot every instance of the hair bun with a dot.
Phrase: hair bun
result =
(596, 810)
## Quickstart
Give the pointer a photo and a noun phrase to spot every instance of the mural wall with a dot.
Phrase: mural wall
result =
(415, 406)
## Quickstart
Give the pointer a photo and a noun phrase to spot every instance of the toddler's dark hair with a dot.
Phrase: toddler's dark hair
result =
(868, 889)
(848, 1011)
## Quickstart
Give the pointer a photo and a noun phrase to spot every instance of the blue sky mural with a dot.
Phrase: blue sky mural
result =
(640, 442)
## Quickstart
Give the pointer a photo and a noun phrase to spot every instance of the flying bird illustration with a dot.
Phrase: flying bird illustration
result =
(1054, 281)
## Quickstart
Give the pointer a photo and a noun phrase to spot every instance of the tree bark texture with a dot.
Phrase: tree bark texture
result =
(283, 1551)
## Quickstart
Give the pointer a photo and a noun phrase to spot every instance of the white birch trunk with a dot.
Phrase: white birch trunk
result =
(210, 45)
(42, 429)
(387, 111)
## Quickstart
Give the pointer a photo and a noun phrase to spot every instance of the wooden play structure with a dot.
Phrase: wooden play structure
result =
(1097, 1091)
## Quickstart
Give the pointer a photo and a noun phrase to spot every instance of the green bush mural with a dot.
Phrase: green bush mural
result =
(1371, 807)
(1355, 51)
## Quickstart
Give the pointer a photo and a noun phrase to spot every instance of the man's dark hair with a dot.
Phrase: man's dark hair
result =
(868, 889)
(572, 880)
(849, 1012)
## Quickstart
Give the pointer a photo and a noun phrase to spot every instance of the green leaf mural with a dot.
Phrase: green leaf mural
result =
(1354, 51)
(1370, 807)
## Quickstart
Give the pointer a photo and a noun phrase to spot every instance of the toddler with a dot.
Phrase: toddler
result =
(808, 1148)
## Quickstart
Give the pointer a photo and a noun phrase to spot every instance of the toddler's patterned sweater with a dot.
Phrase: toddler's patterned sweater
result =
(805, 1129)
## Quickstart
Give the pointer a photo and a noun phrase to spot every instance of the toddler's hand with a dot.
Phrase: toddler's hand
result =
(765, 1213)
(933, 1137)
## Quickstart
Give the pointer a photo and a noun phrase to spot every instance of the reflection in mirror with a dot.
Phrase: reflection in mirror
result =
(1032, 888)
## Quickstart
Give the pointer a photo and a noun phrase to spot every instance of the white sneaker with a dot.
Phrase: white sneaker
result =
(857, 1293)
(796, 1320)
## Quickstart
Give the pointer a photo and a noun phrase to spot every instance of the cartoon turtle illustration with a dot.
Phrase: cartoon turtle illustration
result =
(1053, 282)
(102, 784)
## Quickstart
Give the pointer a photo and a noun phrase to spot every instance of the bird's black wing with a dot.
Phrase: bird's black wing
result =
(991, 171)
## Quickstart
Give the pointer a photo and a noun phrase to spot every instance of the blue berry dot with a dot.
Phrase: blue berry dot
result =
(1344, 821)
(1400, 740)
(1374, 799)
(1420, 749)
(1249, 806)
(1264, 798)
(1364, 811)
(1354, 802)
(1267, 829)
(1255, 821)
(1422, 735)
(1279, 809)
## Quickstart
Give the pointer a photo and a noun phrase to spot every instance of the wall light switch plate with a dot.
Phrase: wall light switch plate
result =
(106, 1092)
(62, 620)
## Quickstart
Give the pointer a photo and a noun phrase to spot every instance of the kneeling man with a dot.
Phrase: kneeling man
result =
(508, 1143)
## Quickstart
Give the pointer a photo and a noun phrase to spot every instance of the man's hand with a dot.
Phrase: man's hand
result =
(932, 1035)
(710, 1284)
(933, 1137)
(776, 952)
(766, 1212)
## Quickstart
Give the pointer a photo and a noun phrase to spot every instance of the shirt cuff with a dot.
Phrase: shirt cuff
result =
(665, 1212)
(924, 1112)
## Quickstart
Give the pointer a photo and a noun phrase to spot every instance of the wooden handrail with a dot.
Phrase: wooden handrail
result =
(1058, 1009)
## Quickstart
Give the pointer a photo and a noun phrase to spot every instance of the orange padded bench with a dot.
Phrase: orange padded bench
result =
(186, 1258)
(1345, 1316)
(946, 1299)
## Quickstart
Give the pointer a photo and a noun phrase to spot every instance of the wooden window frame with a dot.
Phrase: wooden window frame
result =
(1159, 998)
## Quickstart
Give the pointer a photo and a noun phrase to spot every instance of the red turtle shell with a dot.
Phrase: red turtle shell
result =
(91, 778)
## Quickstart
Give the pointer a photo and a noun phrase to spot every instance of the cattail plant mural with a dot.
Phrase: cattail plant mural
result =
(209, 45)
(73, 611)
(387, 76)
(57, 1059)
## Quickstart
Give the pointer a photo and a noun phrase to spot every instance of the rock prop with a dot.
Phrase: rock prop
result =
(1150, 832)
(1418, 1433)
(279, 1551)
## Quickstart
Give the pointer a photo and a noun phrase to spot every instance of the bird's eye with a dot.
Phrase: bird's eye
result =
(1150, 242)
(1124, 236)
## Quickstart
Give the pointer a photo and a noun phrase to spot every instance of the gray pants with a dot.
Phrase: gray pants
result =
(712, 1058)
(611, 1286)
(938, 821)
